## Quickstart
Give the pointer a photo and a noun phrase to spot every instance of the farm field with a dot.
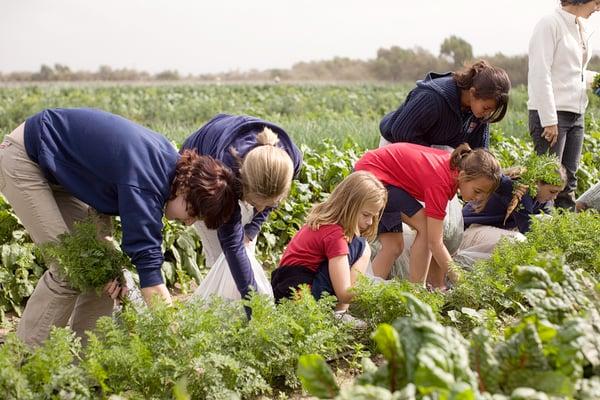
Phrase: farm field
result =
(309, 113)
(523, 325)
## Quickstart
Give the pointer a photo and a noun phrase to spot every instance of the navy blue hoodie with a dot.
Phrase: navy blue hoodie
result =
(495, 210)
(217, 138)
(114, 165)
(431, 115)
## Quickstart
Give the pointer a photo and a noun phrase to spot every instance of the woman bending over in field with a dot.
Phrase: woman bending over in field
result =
(264, 159)
(413, 173)
(61, 162)
(330, 250)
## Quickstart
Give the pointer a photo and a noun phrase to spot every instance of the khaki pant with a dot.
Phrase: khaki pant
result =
(479, 241)
(46, 211)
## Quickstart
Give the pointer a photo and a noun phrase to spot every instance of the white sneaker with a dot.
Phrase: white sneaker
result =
(346, 318)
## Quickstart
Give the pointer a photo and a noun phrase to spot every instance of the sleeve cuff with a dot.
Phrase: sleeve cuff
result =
(251, 231)
(150, 277)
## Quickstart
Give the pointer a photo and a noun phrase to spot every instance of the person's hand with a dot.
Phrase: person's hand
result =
(114, 290)
(551, 134)
(247, 241)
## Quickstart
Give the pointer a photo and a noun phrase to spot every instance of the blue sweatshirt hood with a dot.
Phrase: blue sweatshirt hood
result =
(445, 85)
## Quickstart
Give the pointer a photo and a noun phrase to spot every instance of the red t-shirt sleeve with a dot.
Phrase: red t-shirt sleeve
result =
(335, 244)
(435, 203)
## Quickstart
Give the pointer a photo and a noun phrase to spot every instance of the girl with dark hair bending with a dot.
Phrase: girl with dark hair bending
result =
(450, 109)
(62, 162)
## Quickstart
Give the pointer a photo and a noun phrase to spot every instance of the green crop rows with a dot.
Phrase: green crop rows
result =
(522, 325)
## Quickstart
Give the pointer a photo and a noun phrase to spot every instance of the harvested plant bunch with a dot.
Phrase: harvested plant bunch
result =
(543, 168)
(87, 261)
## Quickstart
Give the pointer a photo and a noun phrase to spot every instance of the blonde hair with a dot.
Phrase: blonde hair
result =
(343, 206)
(266, 171)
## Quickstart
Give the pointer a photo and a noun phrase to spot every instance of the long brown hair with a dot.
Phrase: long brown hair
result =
(343, 206)
(209, 187)
(489, 82)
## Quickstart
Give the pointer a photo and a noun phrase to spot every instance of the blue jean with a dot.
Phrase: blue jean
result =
(322, 282)
(567, 148)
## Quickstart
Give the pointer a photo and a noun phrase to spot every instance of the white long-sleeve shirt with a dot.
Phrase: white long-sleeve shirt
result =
(557, 66)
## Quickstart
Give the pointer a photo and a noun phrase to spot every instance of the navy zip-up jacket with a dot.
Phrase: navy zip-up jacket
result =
(495, 210)
(217, 138)
(431, 115)
(114, 165)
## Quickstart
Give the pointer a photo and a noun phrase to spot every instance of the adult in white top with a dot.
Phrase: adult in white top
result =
(557, 82)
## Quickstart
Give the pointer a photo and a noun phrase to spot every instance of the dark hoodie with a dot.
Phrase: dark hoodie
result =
(431, 115)
(495, 209)
(217, 138)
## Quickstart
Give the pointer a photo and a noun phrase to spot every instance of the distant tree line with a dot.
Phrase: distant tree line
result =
(394, 64)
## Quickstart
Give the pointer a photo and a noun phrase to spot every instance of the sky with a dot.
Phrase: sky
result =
(202, 36)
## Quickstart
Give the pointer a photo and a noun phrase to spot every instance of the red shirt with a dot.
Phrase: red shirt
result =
(421, 171)
(309, 248)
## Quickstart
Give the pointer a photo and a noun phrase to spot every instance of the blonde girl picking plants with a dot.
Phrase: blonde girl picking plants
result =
(414, 174)
(264, 159)
(330, 250)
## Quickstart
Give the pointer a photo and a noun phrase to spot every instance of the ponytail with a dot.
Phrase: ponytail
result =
(458, 155)
(489, 82)
(267, 138)
(473, 164)
(267, 170)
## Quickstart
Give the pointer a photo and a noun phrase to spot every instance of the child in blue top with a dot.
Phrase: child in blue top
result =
(494, 212)
(483, 230)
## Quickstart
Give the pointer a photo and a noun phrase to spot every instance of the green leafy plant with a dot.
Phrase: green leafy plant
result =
(377, 302)
(536, 169)
(46, 372)
(422, 359)
(596, 82)
(182, 250)
(86, 261)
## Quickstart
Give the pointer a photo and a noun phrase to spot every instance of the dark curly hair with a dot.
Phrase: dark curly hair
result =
(210, 188)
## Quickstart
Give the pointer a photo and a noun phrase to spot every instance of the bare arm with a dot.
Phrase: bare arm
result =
(158, 290)
(339, 272)
(343, 277)
(435, 235)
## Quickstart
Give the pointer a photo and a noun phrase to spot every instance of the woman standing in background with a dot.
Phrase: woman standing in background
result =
(558, 56)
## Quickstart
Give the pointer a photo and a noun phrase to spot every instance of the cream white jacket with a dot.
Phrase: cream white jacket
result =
(557, 77)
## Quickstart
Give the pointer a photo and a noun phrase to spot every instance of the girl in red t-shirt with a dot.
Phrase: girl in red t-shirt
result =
(414, 173)
(330, 250)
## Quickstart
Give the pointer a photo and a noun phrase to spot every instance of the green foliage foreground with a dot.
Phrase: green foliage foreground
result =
(208, 348)
(551, 351)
